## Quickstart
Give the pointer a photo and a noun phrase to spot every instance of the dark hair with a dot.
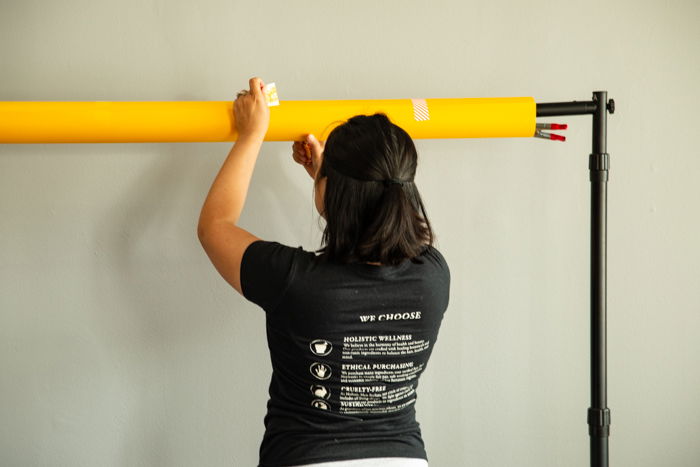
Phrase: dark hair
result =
(368, 220)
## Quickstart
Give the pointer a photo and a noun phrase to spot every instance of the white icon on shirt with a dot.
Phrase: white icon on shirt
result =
(320, 371)
(321, 347)
(319, 404)
(320, 391)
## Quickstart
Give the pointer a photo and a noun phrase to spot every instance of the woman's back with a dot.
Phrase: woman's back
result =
(348, 339)
(348, 343)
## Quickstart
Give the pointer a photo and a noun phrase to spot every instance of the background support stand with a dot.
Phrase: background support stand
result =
(599, 166)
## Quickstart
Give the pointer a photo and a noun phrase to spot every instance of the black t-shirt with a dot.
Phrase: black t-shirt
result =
(348, 343)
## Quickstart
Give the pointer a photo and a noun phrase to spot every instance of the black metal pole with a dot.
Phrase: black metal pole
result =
(599, 166)
(555, 109)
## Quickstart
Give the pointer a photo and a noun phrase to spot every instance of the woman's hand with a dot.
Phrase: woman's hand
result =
(251, 111)
(309, 153)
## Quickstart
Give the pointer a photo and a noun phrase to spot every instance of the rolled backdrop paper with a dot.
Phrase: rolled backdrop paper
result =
(212, 121)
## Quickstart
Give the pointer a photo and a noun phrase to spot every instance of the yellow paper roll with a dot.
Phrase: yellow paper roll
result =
(212, 121)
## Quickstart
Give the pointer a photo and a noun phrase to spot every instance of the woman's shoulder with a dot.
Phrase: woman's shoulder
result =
(434, 254)
(287, 250)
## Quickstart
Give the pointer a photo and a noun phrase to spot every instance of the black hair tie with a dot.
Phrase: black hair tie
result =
(387, 182)
(393, 181)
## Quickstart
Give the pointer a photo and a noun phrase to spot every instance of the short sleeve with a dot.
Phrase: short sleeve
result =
(267, 269)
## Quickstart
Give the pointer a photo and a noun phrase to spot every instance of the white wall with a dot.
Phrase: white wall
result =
(121, 345)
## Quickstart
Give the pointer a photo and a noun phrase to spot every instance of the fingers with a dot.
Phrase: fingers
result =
(309, 153)
(316, 147)
(301, 153)
(256, 85)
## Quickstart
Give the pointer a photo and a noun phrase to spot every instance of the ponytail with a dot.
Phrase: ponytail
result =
(397, 231)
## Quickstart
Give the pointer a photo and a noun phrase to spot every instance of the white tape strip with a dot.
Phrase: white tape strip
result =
(420, 110)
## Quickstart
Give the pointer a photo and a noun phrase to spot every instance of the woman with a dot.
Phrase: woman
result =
(350, 330)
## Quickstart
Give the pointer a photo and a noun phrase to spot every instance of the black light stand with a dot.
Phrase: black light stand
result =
(598, 165)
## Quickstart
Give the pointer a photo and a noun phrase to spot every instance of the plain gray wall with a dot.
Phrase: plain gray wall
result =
(120, 345)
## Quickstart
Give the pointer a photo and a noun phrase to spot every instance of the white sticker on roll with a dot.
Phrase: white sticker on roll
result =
(420, 109)
(270, 92)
